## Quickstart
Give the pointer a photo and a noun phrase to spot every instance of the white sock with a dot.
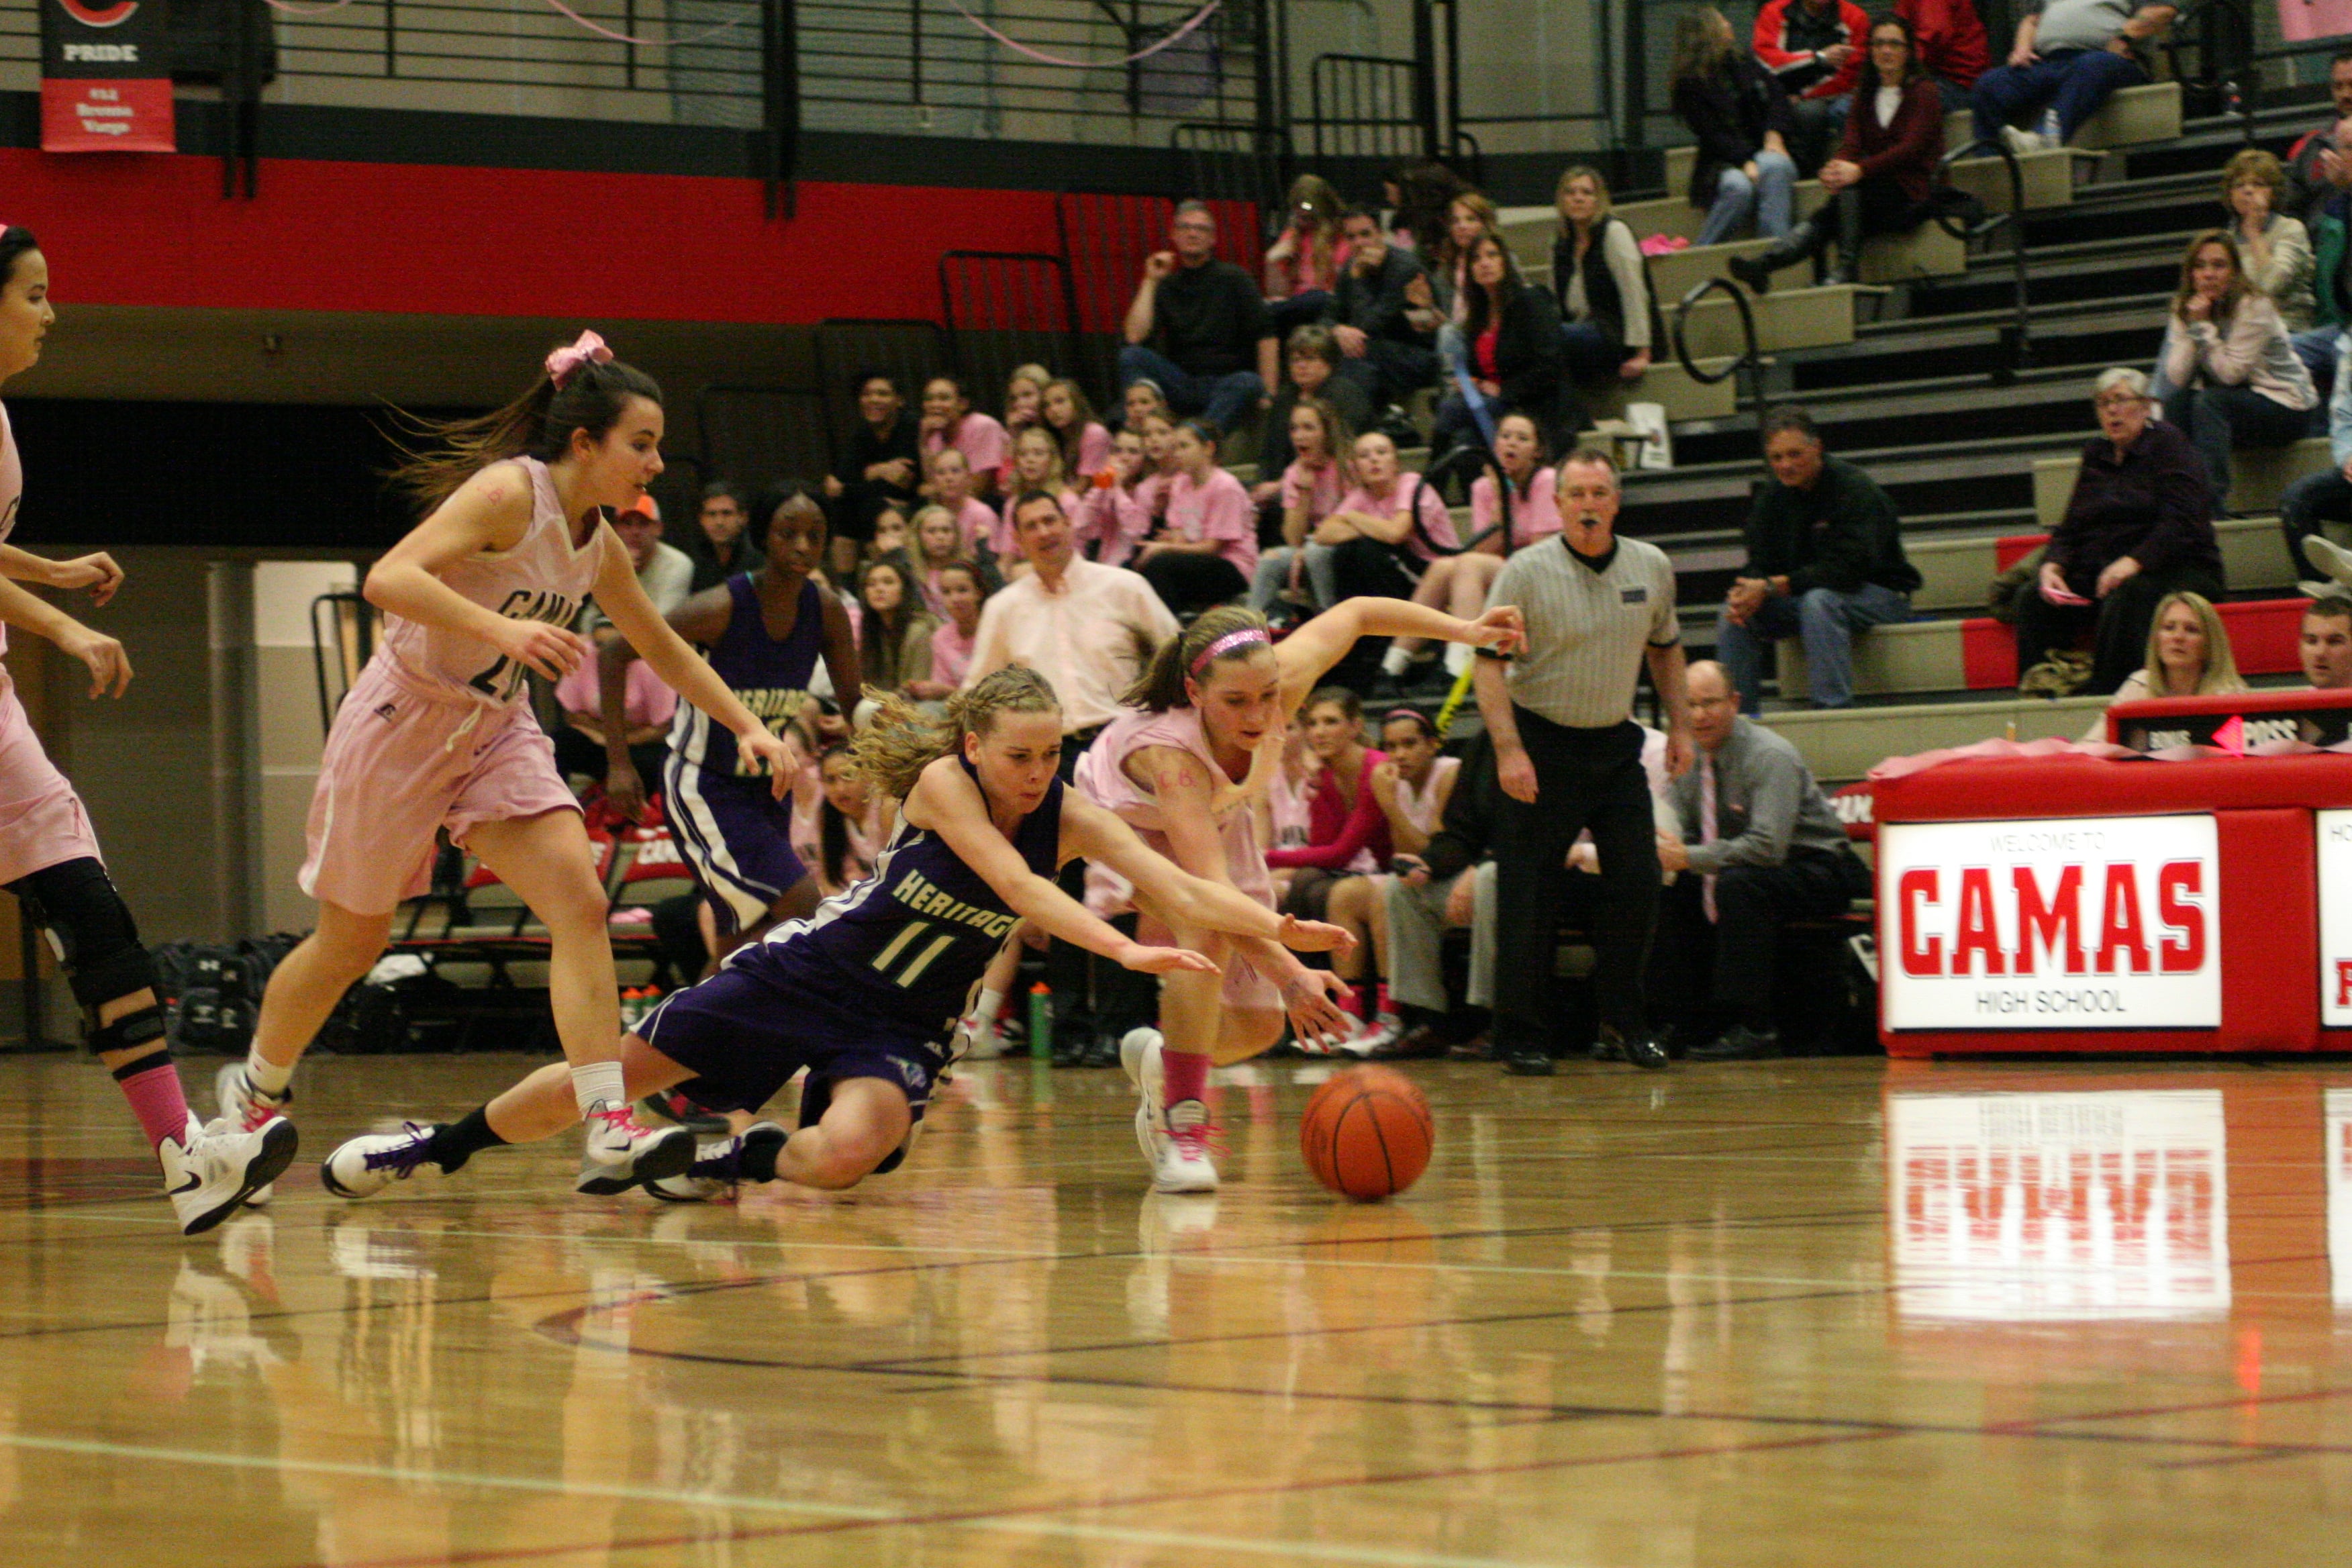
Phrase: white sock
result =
(1458, 656)
(595, 1083)
(267, 1075)
(983, 1029)
(1393, 662)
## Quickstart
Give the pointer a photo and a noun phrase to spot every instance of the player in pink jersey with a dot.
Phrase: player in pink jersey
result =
(437, 730)
(1206, 733)
(48, 857)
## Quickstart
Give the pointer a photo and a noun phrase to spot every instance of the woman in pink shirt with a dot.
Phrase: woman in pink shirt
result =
(1112, 516)
(1207, 545)
(1086, 445)
(950, 420)
(951, 489)
(1347, 837)
(1024, 405)
(1298, 572)
(1454, 581)
(963, 592)
(1302, 266)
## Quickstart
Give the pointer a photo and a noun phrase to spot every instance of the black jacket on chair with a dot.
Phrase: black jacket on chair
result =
(1728, 110)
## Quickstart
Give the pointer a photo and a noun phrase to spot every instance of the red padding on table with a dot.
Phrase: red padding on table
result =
(1987, 653)
(2096, 786)
(2265, 634)
(2011, 549)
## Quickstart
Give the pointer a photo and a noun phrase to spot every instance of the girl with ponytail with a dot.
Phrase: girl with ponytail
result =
(437, 732)
(1210, 716)
(865, 992)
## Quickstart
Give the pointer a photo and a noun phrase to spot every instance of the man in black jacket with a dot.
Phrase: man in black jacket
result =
(1824, 560)
(1384, 352)
(1198, 328)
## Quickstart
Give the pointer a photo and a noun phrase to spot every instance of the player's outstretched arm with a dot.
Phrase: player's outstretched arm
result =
(109, 667)
(945, 801)
(98, 572)
(1307, 653)
(1090, 831)
(623, 599)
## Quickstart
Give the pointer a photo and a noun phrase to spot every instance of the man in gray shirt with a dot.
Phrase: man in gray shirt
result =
(1569, 756)
(1761, 845)
(2069, 57)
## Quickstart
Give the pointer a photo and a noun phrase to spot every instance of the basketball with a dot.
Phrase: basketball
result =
(1367, 1133)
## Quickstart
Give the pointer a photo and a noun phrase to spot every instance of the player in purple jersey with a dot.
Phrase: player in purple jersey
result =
(763, 633)
(437, 732)
(866, 994)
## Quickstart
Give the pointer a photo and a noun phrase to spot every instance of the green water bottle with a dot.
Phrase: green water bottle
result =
(1041, 1021)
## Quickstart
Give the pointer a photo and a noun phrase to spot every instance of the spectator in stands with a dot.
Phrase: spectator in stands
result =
(2327, 642)
(1085, 442)
(1371, 316)
(663, 571)
(1824, 561)
(1141, 399)
(1036, 466)
(1198, 329)
(2140, 526)
(1883, 177)
(1602, 288)
(1160, 470)
(2188, 656)
(1302, 266)
(839, 824)
(1424, 195)
(2327, 495)
(1760, 845)
(1347, 832)
(1383, 535)
(949, 421)
(964, 592)
(1113, 515)
(1312, 356)
(1953, 50)
(2069, 57)
(725, 550)
(1744, 175)
(881, 465)
(1298, 572)
(2330, 229)
(1814, 50)
(939, 544)
(1206, 550)
(2275, 246)
(951, 489)
(2234, 378)
(894, 538)
(1468, 216)
(1516, 352)
(1459, 582)
(894, 631)
(1024, 406)
(580, 741)
(1089, 629)
(2316, 169)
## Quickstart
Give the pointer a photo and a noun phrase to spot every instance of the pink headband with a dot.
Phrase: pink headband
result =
(1226, 644)
(589, 350)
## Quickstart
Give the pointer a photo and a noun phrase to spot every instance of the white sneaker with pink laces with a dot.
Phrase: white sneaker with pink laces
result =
(622, 1152)
(1184, 1165)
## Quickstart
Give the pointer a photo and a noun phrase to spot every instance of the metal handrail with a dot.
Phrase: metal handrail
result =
(1750, 357)
(2017, 338)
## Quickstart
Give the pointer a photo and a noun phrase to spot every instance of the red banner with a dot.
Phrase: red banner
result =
(106, 77)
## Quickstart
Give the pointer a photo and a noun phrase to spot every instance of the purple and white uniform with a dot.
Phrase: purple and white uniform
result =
(1102, 775)
(729, 824)
(436, 731)
(42, 823)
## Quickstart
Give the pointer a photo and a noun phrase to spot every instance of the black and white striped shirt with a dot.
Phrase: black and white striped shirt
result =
(1588, 629)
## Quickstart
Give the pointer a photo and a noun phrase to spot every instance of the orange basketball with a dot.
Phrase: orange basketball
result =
(1367, 1133)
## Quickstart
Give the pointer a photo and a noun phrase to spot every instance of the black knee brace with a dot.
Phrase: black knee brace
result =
(95, 939)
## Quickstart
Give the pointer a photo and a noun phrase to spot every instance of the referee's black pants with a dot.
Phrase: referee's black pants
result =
(1584, 778)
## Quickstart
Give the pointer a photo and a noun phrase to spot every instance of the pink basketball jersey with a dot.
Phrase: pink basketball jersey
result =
(1102, 774)
(12, 495)
(542, 578)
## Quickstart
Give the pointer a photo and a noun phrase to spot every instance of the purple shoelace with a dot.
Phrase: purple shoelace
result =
(404, 1158)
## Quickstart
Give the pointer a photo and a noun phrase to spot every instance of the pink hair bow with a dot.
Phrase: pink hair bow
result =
(589, 350)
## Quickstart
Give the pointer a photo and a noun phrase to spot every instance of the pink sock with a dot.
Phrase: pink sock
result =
(151, 1085)
(1386, 1006)
(1183, 1075)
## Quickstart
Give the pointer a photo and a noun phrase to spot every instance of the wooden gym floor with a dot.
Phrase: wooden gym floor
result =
(1821, 1313)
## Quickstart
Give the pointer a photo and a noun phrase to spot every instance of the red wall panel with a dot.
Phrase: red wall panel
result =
(438, 240)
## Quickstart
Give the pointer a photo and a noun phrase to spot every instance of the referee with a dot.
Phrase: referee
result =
(1569, 756)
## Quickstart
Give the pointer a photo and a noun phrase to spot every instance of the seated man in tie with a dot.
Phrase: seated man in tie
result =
(1761, 845)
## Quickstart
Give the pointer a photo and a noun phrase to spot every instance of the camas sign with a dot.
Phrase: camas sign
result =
(2088, 923)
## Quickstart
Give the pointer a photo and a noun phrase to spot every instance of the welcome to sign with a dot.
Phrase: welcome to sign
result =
(106, 77)
(2076, 924)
